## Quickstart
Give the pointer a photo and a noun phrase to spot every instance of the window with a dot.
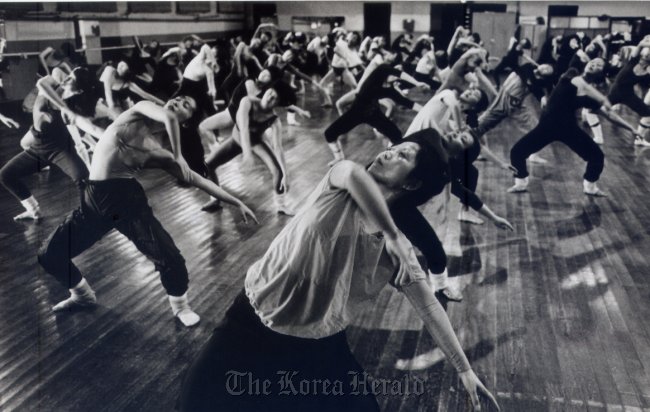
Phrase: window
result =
(230, 7)
(19, 9)
(93, 7)
(192, 7)
(149, 7)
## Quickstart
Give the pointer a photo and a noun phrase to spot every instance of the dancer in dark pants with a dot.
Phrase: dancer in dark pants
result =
(558, 123)
(636, 71)
(455, 154)
(51, 143)
(299, 298)
(113, 199)
(366, 109)
(512, 103)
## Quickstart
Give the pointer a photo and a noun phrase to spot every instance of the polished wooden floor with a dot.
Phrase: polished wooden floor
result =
(556, 315)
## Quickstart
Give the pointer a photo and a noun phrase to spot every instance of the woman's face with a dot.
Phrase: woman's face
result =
(69, 86)
(264, 77)
(645, 55)
(394, 165)
(545, 69)
(182, 106)
(287, 56)
(269, 99)
(122, 68)
(595, 66)
(591, 48)
(458, 141)
(470, 97)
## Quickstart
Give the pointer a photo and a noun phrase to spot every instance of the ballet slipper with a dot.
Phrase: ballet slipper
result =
(181, 309)
(521, 185)
(81, 296)
(291, 120)
(33, 214)
(641, 142)
(451, 294)
(281, 207)
(590, 189)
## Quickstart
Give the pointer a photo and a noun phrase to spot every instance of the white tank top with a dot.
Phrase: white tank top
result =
(321, 269)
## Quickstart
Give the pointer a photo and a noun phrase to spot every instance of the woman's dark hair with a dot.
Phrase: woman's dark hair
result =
(430, 161)
(442, 60)
(571, 73)
(482, 103)
(71, 53)
(594, 52)
(223, 53)
(356, 40)
(276, 73)
(136, 65)
(84, 102)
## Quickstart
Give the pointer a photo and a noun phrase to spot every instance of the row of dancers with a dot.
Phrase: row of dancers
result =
(360, 227)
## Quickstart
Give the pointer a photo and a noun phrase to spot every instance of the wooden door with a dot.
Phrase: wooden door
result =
(495, 29)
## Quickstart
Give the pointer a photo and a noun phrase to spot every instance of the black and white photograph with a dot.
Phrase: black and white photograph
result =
(287, 206)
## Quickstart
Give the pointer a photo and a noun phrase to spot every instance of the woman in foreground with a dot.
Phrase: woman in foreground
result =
(338, 252)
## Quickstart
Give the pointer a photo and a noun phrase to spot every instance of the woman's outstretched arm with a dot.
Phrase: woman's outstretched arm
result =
(425, 303)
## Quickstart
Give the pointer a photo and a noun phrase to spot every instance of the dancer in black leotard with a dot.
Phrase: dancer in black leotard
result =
(254, 89)
(253, 117)
(245, 66)
(636, 71)
(365, 109)
(558, 123)
(52, 143)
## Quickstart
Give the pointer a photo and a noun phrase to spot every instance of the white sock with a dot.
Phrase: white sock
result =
(439, 281)
(82, 289)
(590, 187)
(642, 128)
(279, 200)
(81, 296)
(336, 150)
(291, 118)
(30, 204)
(181, 309)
